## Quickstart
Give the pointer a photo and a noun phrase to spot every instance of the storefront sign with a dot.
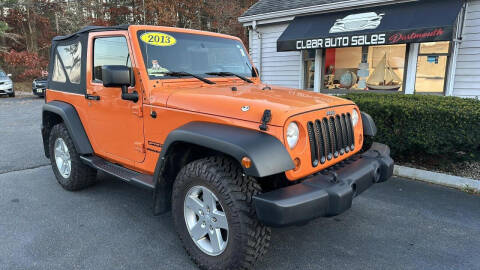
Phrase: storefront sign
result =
(423, 21)
(357, 22)
(428, 35)
(336, 42)
(416, 36)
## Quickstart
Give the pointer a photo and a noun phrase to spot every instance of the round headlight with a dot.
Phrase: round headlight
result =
(354, 117)
(292, 135)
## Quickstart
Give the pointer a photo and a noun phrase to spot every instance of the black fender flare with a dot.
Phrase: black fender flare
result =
(267, 153)
(72, 121)
(369, 127)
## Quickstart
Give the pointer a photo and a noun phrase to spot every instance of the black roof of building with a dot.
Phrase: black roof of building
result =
(267, 6)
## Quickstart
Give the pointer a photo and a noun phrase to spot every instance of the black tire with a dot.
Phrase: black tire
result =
(81, 175)
(248, 239)
(12, 94)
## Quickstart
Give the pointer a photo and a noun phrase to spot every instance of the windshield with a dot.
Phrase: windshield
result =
(166, 52)
(2, 73)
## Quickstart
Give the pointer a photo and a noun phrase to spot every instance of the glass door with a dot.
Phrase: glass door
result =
(432, 66)
(308, 69)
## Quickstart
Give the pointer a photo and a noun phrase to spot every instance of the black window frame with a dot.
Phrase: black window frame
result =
(129, 57)
(445, 80)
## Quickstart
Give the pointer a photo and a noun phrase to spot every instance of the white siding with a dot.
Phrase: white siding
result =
(276, 68)
(467, 74)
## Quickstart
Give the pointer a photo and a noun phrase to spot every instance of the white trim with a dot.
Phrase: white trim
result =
(250, 41)
(301, 81)
(271, 21)
(437, 178)
(323, 8)
(318, 66)
(452, 68)
(260, 49)
(411, 68)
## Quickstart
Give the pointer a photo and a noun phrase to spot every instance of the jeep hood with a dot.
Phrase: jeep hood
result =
(222, 101)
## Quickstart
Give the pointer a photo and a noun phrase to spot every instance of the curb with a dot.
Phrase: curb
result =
(437, 178)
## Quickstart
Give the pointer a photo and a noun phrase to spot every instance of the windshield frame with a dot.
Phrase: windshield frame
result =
(137, 34)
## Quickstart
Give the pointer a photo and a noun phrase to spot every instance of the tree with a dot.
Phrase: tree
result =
(28, 26)
(4, 36)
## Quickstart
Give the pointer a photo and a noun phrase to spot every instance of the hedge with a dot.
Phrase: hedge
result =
(423, 124)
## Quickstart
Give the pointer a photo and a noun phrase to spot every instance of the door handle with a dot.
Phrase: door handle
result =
(92, 97)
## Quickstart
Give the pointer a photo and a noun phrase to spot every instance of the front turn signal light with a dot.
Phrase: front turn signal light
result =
(246, 162)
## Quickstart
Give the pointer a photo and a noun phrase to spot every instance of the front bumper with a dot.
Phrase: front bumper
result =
(39, 91)
(328, 193)
(4, 89)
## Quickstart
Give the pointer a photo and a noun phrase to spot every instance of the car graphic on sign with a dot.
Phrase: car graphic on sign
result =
(357, 22)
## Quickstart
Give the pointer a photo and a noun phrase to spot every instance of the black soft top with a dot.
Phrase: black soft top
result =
(92, 28)
(71, 72)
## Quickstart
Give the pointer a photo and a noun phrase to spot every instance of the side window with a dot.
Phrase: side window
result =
(58, 74)
(109, 51)
(71, 56)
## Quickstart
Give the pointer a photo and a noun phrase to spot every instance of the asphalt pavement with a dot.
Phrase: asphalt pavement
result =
(21, 144)
(400, 224)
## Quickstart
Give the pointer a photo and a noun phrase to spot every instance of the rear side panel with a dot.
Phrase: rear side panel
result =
(73, 123)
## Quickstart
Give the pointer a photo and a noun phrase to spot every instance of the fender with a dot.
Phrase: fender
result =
(73, 123)
(267, 153)
(369, 127)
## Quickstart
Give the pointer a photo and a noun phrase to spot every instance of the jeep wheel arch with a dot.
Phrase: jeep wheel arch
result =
(57, 111)
(267, 153)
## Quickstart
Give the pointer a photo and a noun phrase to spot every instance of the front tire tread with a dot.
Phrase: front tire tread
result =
(81, 175)
(229, 180)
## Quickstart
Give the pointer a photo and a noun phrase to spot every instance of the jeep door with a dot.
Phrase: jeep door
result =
(116, 124)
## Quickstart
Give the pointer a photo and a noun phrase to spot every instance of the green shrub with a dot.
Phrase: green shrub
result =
(423, 124)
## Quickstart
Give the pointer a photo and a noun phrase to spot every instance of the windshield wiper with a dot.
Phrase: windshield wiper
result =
(224, 73)
(186, 74)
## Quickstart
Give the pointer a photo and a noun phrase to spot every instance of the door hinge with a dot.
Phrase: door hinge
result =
(137, 110)
(139, 146)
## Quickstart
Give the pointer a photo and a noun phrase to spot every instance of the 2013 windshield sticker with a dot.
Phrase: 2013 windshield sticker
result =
(158, 39)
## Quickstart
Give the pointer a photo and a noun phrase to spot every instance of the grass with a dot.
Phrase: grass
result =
(23, 86)
(471, 190)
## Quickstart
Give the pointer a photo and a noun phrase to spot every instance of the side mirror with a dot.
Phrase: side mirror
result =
(9, 75)
(115, 76)
(255, 72)
(119, 76)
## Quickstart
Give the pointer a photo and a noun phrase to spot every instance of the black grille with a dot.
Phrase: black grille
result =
(330, 137)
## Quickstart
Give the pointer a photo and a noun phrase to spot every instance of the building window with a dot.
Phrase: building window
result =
(365, 68)
(308, 69)
(432, 67)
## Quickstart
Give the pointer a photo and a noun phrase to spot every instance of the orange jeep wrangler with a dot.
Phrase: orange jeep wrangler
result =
(184, 114)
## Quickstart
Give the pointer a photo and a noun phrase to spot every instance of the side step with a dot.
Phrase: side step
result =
(127, 175)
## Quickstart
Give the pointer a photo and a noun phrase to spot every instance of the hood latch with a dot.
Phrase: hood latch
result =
(267, 116)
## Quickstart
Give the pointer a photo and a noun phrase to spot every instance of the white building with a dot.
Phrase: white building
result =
(338, 46)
